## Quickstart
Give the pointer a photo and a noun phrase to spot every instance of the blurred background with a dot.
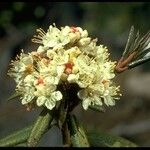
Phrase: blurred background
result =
(110, 23)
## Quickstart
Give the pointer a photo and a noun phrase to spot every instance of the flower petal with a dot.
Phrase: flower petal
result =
(41, 100)
(86, 103)
(50, 104)
(56, 96)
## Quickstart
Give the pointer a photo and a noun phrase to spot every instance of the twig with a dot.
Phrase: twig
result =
(122, 64)
(134, 50)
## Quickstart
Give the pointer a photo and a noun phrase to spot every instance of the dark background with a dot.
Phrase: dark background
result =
(110, 23)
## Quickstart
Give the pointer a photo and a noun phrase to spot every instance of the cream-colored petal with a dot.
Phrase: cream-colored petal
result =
(51, 54)
(50, 104)
(82, 94)
(26, 99)
(109, 101)
(41, 100)
(97, 101)
(56, 96)
(86, 103)
(72, 78)
(60, 70)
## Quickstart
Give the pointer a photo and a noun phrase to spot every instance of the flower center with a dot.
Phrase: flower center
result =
(29, 69)
(106, 83)
(40, 81)
(68, 67)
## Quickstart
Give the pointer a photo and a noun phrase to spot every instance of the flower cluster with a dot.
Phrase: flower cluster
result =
(66, 55)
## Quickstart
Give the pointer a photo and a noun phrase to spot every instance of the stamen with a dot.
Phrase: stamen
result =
(68, 67)
(41, 31)
(38, 38)
(36, 41)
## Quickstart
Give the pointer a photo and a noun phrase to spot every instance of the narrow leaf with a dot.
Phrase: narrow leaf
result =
(142, 54)
(135, 43)
(102, 139)
(141, 45)
(145, 49)
(139, 62)
(129, 41)
(16, 137)
(21, 145)
(13, 96)
(77, 133)
(40, 127)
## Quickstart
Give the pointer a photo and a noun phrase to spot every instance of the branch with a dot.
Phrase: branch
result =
(135, 53)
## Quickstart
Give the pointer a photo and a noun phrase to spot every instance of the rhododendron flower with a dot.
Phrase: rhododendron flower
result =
(65, 56)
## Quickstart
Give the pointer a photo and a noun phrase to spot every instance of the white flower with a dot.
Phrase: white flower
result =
(27, 94)
(41, 100)
(29, 79)
(51, 38)
(84, 41)
(108, 70)
(51, 54)
(108, 99)
(21, 67)
(59, 38)
(44, 90)
(83, 33)
(84, 75)
(66, 56)
(89, 98)
(49, 101)
(42, 49)
(96, 94)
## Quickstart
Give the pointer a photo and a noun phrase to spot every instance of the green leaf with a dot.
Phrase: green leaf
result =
(77, 133)
(136, 44)
(13, 96)
(97, 108)
(16, 137)
(40, 127)
(142, 54)
(129, 41)
(22, 145)
(138, 62)
(102, 139)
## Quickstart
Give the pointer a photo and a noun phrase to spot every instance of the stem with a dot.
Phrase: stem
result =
(77, 134)
(62, 113)
(62, 122)
(69, 102)
(66, 135)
